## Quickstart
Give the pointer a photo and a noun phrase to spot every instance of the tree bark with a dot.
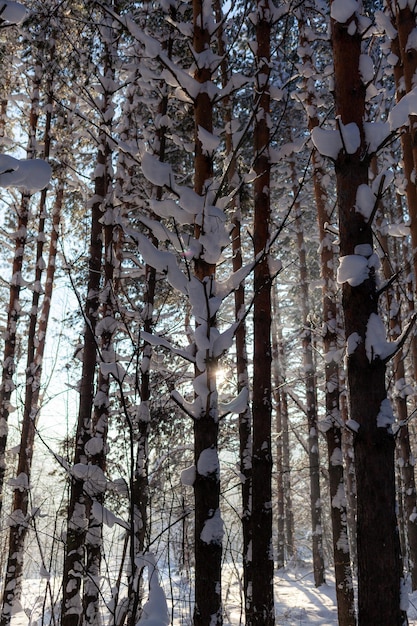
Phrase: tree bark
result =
(208, 549)
(261, 609)
(379, 562)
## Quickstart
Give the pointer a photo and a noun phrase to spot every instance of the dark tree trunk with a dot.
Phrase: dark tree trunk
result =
(208, 552)
(379, 562)
(261, 609)
(331, 330)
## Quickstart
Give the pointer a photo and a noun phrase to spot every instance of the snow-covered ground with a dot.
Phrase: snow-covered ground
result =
(298, 602)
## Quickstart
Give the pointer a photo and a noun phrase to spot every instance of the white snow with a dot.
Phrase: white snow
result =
(209, 142)
(376, 133)
(376, 344)
(208, 462)
(399, 114)
(366, 68)
(155, 171)
(412, 41)
(115, 369)
(352, 343)
(298, 602)
(102, 514)
(92, 476)
(30, 175)
(188, 476)
(155, 609)
(329, 142)
(365, 200)
(352, 425)
(238, 404)
(398, 230)
(385, 417)
(342, 10)
(353, 269)
(213, 529)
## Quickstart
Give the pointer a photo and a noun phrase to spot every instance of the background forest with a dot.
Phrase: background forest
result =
(208, 338)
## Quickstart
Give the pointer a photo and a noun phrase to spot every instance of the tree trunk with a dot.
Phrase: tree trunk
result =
(379, 562)
(208, 544)
(332, 425)
(311, 407)
(245, 418)
(261, 609)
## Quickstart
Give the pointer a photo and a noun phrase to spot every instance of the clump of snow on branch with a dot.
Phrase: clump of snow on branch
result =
(213, 529)
(92, 476)
(238, 404)
(155, 609)
(105, 516)
(188, 476)
(365, 200)
(354, 268)
(366, 68)
(376, 344)
(342, 10)
(30, 175)
(385, 417)
(329, 142)
(400, 113)
(208, 463)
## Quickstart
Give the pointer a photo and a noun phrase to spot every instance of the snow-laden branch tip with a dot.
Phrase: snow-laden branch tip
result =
(156, 340)
(329, 142)
(400, 113)
(376, 344)
(237, 405)
(354, 268)
(103, 515)
(162, 261)
(192, 409)
(29, 175)
(155, 609)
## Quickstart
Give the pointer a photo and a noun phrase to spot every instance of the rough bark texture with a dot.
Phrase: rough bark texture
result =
(261, 609)
(379, 563)
(208, 553)
(36, 347)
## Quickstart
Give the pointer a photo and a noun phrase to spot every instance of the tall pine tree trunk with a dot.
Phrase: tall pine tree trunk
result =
(332, 425)
(38, 323)
(379, 563)
(208, 540)
(311, 406)
(79, 509)
(261, 609)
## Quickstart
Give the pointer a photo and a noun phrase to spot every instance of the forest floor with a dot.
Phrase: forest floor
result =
(298, 603)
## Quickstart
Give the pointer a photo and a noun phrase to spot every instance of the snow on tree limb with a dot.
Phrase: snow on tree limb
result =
(30, 175)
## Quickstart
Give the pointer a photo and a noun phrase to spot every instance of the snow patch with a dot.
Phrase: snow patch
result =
(376, 344)
(213, 529)
(342, 10)
(188, 476)
(208, 463)
(385, 417)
